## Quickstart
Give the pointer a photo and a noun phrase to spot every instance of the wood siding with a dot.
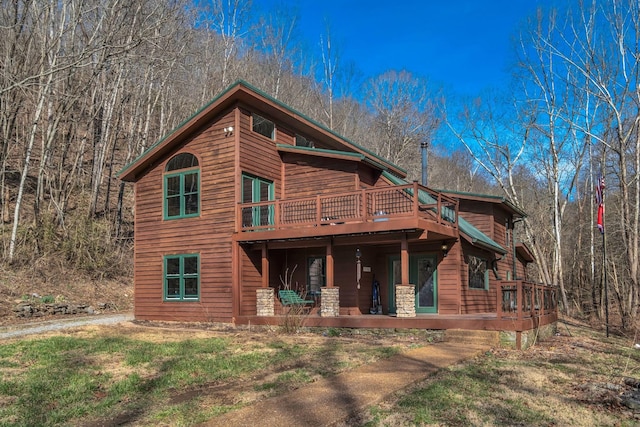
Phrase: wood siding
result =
(258, 154)
(250, 279)
(476, 300)
(479, 214)
(208, 235)
(309, 176)
(369, 177)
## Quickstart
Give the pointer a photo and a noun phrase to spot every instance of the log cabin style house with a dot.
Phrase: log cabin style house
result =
(248, 197)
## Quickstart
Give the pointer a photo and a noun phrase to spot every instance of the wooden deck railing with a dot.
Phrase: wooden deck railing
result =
(371, 205)
(520, 300)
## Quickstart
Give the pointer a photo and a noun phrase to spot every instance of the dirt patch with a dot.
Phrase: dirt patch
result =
(578, 377)
(104, 296)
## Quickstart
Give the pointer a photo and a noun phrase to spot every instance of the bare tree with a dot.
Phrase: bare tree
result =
(405, 115)
(602, 48)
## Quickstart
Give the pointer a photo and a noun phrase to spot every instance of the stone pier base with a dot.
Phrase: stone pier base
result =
(330, 302)
(265, 302)
(405, 301)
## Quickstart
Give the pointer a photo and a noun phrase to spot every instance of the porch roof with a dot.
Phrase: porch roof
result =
(468, 231)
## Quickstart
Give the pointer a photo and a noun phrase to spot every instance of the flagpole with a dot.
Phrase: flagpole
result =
(604, 259)
(606, 293)
(601, 227)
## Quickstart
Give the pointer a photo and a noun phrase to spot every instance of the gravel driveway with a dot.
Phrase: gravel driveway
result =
(56, 325)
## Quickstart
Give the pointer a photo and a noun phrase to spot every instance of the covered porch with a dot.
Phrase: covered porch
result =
(359, 272)
(521, 306)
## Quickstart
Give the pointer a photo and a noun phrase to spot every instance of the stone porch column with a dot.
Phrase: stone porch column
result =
(265, 302)
(330, 302)
(405, 301)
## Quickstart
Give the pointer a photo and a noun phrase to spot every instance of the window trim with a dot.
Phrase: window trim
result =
(309, 142)
(486, 273)
(181, 276)
(255, 190)
(273, 132)
(182, 173)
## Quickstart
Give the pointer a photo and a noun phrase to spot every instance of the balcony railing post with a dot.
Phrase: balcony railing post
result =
(500, 298)
(416, 198)
(363, 205)
(519, 299)
(238, 217)
(318, 210)
(276, 220)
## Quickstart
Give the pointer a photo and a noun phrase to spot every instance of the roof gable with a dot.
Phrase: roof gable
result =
(242, 93)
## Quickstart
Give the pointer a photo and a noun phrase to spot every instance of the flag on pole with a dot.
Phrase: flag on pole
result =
(600, 202)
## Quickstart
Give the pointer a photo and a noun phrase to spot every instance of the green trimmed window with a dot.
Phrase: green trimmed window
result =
(301, 141)
(257, 190)
(182, 187)
(182, 277)
(263, 126)
(316, 274)
(478, 273)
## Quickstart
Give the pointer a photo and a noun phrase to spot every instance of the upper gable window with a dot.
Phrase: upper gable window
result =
(182, 161)
(301, 141)
(263, 126)
(182, 187)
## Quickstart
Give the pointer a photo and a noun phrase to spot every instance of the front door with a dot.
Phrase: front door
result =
(423, 274)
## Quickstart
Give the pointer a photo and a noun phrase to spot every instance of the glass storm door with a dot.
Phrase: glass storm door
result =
(255, 190)
(423, 274)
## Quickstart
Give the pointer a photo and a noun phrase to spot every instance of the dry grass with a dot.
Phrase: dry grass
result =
(576, 378)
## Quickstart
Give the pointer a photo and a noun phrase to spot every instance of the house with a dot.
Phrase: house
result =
(249, 196)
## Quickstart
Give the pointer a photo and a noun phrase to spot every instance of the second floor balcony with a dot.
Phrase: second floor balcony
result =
(396, 208)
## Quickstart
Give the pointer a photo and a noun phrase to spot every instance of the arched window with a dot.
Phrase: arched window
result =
(182, 161)
(182, 187)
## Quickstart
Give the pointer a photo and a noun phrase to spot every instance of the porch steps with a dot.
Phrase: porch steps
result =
(475, 338)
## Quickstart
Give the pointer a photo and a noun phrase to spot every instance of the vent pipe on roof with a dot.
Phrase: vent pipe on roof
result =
(423, 149)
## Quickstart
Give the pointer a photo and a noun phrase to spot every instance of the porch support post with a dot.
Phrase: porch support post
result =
(404, 260)
(330, 272)
(265, 265)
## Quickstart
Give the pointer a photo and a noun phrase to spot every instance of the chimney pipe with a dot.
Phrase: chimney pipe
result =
(423, 149)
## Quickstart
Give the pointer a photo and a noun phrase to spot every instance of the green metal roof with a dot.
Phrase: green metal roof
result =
(476, 236)
(313, 150)
(498, 199)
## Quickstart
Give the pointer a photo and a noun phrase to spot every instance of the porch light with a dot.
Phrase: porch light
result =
(358, 253)
(444, 249)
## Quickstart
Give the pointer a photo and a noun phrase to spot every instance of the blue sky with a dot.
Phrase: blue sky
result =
(463, 45)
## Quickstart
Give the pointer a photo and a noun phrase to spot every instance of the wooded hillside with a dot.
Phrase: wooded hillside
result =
(87, 86)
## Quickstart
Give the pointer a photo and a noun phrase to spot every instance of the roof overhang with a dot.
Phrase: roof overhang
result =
(243, 94)
(488, 198)
(331, 154)
(523, 252)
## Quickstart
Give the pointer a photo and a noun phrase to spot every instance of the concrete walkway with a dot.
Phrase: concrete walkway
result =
(335, 399)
